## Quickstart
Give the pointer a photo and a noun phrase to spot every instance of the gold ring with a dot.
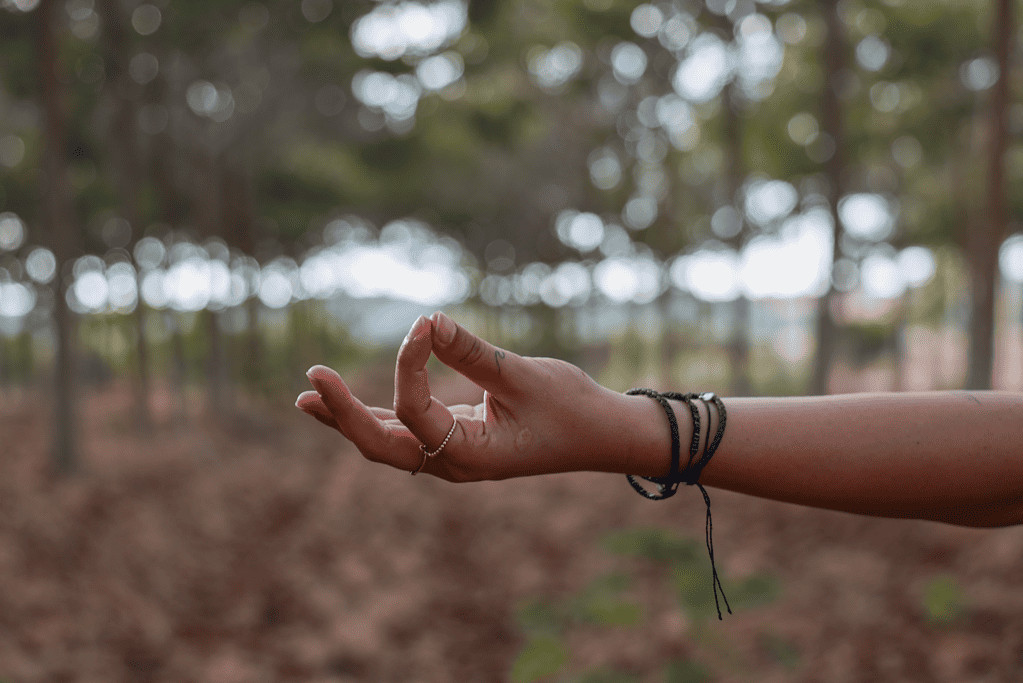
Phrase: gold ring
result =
(430, 454)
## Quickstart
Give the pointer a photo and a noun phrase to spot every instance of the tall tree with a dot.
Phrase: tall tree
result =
(732, 178)
(983, 240)
(58, 223)
(834, 48)
(124, 152)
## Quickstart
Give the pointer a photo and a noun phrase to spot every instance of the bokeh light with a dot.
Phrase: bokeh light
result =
(12, 231)
(867, 216)
(553, 68)
(392, 30)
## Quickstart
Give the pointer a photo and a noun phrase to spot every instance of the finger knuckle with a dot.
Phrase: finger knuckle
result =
(480, 439)
(474, 353)
(402, 411)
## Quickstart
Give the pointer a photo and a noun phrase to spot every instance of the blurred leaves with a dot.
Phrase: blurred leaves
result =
(604, 675)
(540, 617)
(780, 649)
(690, 572)
(655, 544)
(600, 604)
(943, 600)
(686, 671)
(542, 656)
(546, 622)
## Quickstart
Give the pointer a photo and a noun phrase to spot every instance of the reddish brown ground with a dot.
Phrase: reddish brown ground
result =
(262, 548)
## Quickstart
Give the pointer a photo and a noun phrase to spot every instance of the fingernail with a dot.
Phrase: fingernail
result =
(416, 330)
(323, 380)
(445, 329)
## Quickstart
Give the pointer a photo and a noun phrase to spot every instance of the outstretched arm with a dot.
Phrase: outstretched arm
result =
(948, 456)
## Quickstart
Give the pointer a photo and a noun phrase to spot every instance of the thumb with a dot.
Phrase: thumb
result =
(494, 369)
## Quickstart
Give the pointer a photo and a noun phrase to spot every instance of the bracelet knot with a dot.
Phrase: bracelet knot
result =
(690, 476)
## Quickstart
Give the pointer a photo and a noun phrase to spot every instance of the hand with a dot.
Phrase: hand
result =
(538, 415)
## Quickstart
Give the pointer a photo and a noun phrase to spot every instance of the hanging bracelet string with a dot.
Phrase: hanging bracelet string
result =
(668, 484)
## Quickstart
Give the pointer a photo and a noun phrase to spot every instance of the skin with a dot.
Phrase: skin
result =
(953, 457)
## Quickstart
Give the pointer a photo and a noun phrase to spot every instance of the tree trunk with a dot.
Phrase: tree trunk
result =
(672, 343)
(253, 367)
(738, 347)
(207, 188)
(179, 364)
(983, 240)
(832, 124)
(25, 359)
(123, 142)
(216, 393)
(57, 222)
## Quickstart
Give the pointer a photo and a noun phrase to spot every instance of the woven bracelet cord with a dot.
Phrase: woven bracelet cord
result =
(668, 484)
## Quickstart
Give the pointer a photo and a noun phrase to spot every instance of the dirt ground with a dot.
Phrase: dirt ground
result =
(261, 547)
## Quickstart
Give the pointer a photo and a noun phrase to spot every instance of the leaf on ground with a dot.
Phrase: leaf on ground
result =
(651, 543)
(685, 671)
(540, 616)
(943, 599)
(541, 657)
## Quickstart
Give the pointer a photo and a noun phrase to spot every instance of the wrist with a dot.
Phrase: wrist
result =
(645, 444)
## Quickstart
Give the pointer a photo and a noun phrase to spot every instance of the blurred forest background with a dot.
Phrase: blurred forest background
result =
(198, 201)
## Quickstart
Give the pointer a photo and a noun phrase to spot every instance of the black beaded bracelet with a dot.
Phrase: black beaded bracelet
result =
(668, 484)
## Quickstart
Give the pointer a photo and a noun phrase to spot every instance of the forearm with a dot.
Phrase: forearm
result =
(949, 456)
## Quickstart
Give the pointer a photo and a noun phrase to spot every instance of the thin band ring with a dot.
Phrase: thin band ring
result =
(429, 454)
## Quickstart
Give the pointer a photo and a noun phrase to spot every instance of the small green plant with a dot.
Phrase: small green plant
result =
(543, 655)
(779, 648)
(754, 591)
(654, 544)
(600, 603)
(540, 616)
(544, 622)
(604, 675)
(696, 592)
(685, 671)
(943, 600)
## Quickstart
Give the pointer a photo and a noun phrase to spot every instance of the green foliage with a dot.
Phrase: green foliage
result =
(599, 603)
(696, 592)
(771, 376)
(544, 622)
(868, 341)
(686, 671)
(604, 675)
(542, 656)
(654, 544)
(781, 649)
(690, 571)
(540, 617)
(943, 600)
(754, 591)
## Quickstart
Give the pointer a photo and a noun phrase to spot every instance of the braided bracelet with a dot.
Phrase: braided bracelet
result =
(668, 484)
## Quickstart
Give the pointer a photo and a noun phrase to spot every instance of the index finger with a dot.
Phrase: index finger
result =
(426, 417)
(492, 368)
(358, 423)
